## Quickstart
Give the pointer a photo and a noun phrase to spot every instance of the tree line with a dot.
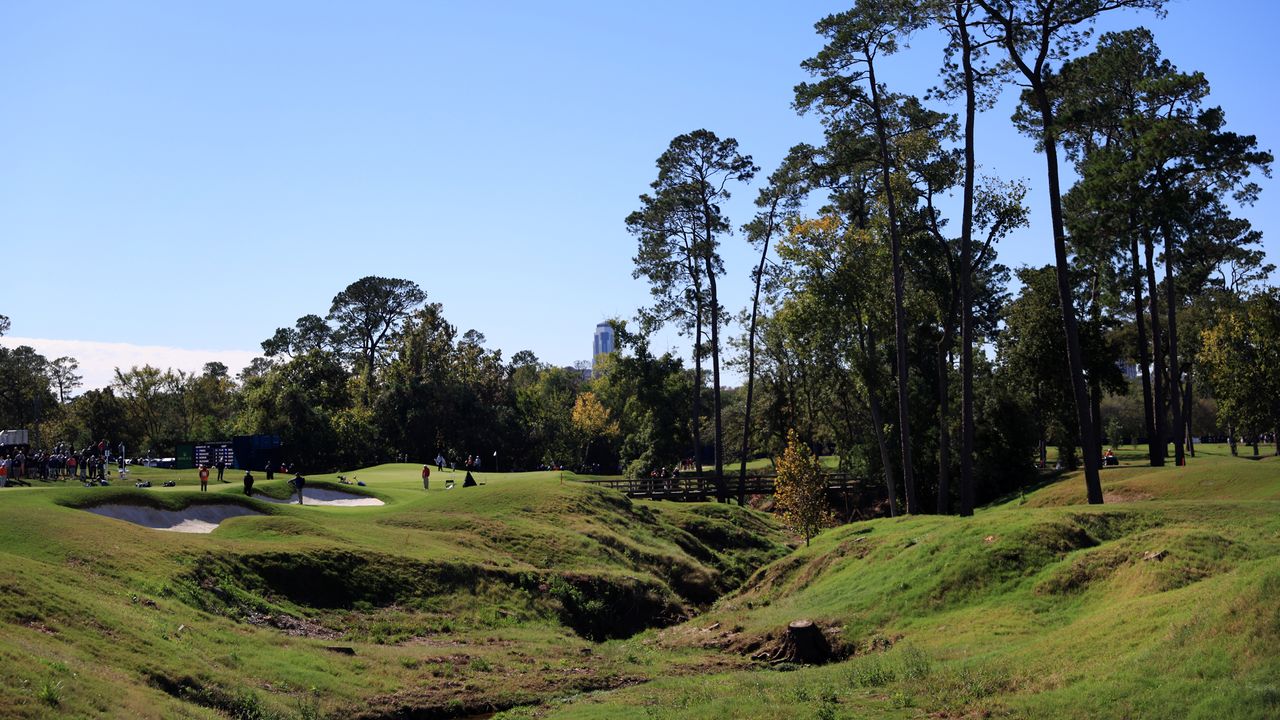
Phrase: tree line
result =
(381, 376)
(883, 328)
(878, 284)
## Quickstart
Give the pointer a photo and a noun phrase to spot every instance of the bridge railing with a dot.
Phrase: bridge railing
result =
(700, 486)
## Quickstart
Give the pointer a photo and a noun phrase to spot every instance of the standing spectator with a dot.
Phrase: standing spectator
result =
(221, 465)
(271, 471)
(298, 482)
(248, 483)
(9, 468)
(440, 462)
(204, 479)
(426, 477)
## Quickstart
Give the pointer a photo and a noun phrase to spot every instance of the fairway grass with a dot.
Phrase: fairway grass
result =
(537, 596)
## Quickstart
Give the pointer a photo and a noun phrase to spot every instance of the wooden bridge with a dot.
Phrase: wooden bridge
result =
(693, 488)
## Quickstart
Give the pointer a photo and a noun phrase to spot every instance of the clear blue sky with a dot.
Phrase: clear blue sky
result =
(194, 175)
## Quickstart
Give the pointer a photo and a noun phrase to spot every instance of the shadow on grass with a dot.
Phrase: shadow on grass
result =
(1045, 479)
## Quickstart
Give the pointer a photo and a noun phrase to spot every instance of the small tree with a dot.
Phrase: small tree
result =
(591, 420)
(1239, 354)
(64, 378)
(800, 496)
(1114, 428)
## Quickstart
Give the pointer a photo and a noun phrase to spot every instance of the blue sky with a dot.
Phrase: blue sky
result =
(189, 176)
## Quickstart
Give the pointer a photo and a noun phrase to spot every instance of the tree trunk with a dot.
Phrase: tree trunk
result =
(1095, 387)
(1075, 362)
(886, 459)
(961, 8)
(899, 296)
(721, 491)
(1144, 358)
(803, 644)
(1044, 443)
(1157, 354)
(944, 433)
(806, 643)
(1231, 440)
(1175, 368)
(1186, 415)
(966, 269)
(1095, 407)
(751, 370)
(696, 420)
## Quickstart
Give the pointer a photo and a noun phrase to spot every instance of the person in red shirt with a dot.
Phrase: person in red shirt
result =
(204, 479)
(426, 477)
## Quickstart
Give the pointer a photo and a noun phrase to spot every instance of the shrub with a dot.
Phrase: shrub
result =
(800, 495)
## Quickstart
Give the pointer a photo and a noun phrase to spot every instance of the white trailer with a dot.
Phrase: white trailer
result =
(14, 437)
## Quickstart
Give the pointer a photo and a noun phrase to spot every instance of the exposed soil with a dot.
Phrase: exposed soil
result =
(467, 698)
(1126, 496)
(295, 586)
(292, 626)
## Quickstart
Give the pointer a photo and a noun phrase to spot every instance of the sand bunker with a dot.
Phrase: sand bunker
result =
(320, 496)
(194, 519)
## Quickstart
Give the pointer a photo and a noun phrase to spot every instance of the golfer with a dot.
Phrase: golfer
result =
(298, 482)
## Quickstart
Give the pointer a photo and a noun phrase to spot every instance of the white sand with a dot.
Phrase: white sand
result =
(320, 496)
(194, 519)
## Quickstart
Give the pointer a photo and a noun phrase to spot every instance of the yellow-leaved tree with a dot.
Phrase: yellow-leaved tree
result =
(800, 492)
(591, 420)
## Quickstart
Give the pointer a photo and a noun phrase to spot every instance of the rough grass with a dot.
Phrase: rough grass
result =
(1159, 607)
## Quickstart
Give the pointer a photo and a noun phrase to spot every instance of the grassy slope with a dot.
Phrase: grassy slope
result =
(1039, 609)
(452, 600)
(457, 601)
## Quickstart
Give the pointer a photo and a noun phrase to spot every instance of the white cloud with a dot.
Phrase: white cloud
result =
(99, 360)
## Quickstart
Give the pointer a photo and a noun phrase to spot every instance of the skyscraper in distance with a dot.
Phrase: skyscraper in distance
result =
(602, 344)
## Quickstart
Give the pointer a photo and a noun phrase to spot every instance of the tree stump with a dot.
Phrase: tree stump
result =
(804, 644)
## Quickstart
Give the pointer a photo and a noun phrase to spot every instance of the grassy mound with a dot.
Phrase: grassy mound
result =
(437, 604)
(1163, 606)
